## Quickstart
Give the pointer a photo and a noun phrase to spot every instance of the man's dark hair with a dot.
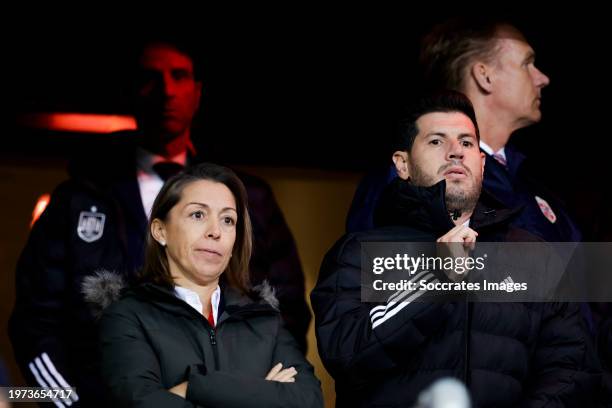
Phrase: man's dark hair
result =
(445, 101)
(179, 42)
(449, 48)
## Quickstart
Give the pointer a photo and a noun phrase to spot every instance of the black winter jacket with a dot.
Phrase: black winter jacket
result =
(507, 354)
(51, 329)
(151, 341)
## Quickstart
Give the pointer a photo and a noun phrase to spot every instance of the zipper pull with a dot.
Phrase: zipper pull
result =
(213, 339)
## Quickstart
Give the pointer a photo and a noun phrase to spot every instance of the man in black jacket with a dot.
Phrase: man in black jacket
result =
(507, 354)
(97, 220)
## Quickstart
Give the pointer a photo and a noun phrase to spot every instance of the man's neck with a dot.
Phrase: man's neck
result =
(463, 218)
(494, 127)
(171, 148)
(494, 133)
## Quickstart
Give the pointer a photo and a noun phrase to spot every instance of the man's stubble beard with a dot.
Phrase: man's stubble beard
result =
(456, 198)
(462, 200)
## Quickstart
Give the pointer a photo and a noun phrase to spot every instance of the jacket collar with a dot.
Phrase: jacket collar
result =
(105, 287)
(403, 203)
(233, 304)
(424, 208)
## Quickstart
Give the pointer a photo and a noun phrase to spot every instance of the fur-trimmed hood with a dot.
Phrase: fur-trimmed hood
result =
(101, 289)
(105, 287)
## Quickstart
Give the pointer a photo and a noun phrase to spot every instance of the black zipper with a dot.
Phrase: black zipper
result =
(213, 342)
(212, 336)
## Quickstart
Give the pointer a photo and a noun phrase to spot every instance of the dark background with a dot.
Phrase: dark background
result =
(316, 88)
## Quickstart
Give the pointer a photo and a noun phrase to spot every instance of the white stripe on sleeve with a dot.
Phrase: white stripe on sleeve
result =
(60, 379)
(42, 383)
(48, 378)
(394, 298)
(389, 314)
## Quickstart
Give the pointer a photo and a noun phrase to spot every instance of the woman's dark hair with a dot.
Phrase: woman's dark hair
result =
(156, 267)
(446, 101)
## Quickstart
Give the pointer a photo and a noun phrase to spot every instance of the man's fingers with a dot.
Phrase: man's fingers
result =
(457, 229)
(469, 235)
(464, 234)
(451, 235)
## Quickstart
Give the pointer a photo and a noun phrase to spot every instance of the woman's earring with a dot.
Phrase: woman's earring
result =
(162, 243)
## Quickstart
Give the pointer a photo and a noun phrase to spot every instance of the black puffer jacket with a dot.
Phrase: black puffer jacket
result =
(51, 328)
(508, 354)
(151, 341)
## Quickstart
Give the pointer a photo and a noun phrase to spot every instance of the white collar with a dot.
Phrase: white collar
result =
(146, 159)
(193, 300)
(488, 150)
